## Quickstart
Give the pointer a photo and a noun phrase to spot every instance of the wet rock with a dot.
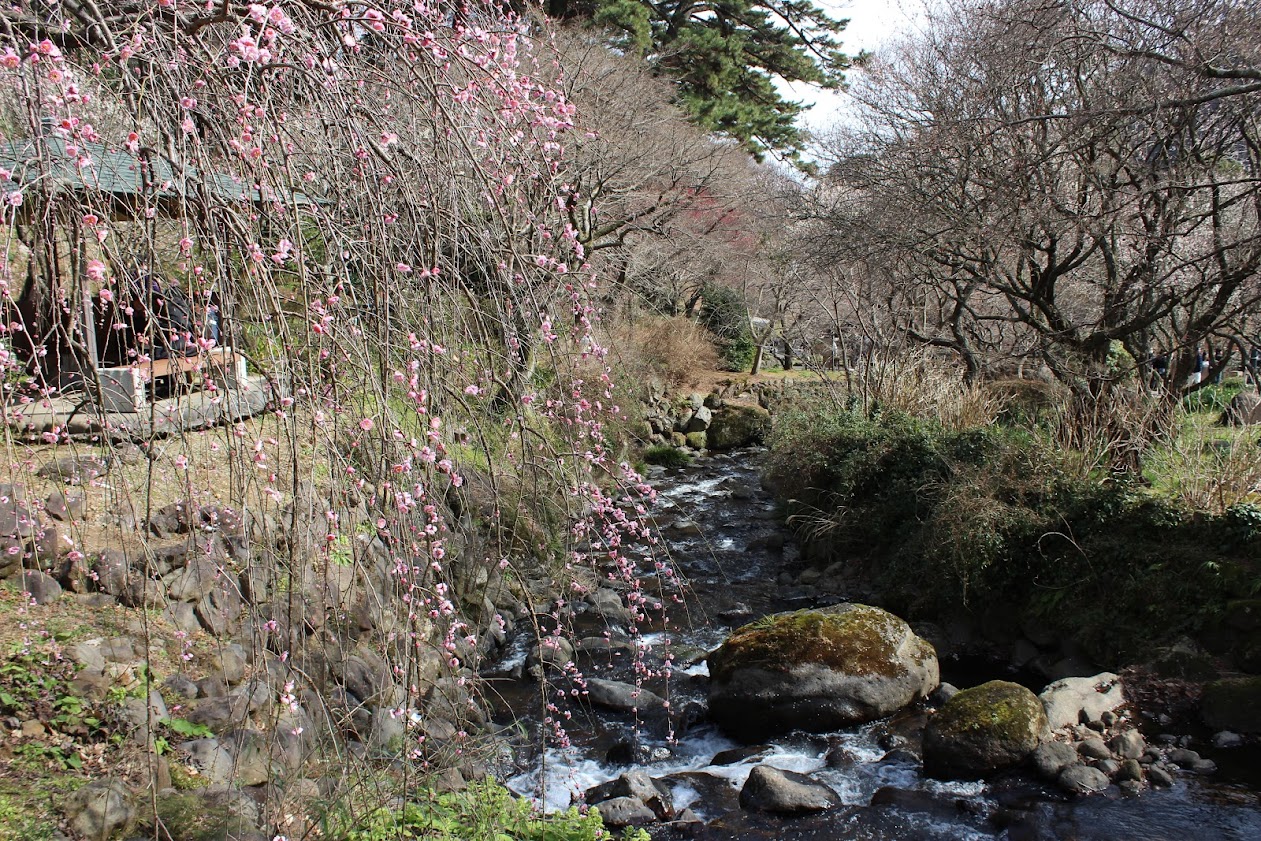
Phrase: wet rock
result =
(1227, 739)
(785, 792)
(552, 652)
(818, 670)
(641, 788)
(1183, 758)
(982, 730)
(1130, 769)
(942, 694)
(1076, 699)
(43, 588)
(101, 810)
(1203, 766)
(1082, 779)
(625, 697)
(625, 811)
(1158, 776)
(744, 754)
(1051, 758)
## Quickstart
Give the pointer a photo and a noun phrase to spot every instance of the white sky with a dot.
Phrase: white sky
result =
(871, 24)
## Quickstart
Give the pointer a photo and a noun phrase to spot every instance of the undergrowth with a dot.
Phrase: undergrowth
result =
(996, 521)
(485, 812)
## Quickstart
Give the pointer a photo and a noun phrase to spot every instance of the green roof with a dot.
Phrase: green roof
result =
(120, 174)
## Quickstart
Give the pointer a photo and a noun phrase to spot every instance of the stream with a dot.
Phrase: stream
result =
(728, 546)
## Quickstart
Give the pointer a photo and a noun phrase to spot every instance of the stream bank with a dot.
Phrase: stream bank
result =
(724, 536)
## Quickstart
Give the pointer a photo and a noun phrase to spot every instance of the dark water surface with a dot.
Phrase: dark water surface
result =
(725, 539)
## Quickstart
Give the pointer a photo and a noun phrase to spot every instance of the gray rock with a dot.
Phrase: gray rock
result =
(1227, 739)
(251, 757)
(1131, 769)
(74, 471)
(101, 810)
(625, 811)
(551, 652)
(1082, 779)
(1094, 749)
(1128, 745)
(229, 662)
(1203, 766)
(1076, 699)
(1183, 758)
(1051, 758)
(1158, 776)
(818, 670)
(943, 694)
(43, 588)
(65, 506)
(211, 759)
(700, 420)
(626, 697)
(785, 792)
(181, 687)
(1108, 766)
(192, 583)
(640, 787)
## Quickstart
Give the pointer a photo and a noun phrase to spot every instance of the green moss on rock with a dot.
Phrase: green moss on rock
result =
(855, 639)
(984, 729)
(1233, 705)
(738, 426)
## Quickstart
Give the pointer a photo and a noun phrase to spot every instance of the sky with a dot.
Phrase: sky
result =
(871, 24)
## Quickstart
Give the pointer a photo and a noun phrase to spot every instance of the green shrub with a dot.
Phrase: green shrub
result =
(1212, 398)
(667, 456)
(485, 812)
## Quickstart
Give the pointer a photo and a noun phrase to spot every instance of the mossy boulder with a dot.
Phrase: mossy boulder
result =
(983, 730)
(1233, 704)
(738, 426)
(818, 670)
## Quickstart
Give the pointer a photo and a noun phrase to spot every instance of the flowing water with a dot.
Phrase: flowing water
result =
(727, 543)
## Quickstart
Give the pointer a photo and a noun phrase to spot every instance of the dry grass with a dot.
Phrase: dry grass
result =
(677, 350)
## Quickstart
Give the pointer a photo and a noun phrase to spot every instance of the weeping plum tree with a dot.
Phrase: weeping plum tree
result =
(381, 191)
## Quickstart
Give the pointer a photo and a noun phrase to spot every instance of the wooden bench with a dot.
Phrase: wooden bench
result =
(125, 389)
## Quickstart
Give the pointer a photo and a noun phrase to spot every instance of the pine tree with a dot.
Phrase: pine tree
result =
(725, 54)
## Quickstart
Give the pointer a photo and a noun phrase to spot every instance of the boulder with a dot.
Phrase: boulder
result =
(785, 792)
(1051, 758)
(737, 426)
(1233, 705)
(638, 786)
(1244, 409)
(818, 670)
(626, 697)
(1073, 700)
(625, 811)
(43, 588)
(101, 810)
(982, 730)
(1082, 779)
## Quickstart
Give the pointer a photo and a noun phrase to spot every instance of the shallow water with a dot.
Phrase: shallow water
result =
(730, 569)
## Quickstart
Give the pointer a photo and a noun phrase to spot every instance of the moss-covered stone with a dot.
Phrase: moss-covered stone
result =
(858, 640)
(1233, 705)
(984, 729)
(697, 440)
(818, 670)
(735, 426)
